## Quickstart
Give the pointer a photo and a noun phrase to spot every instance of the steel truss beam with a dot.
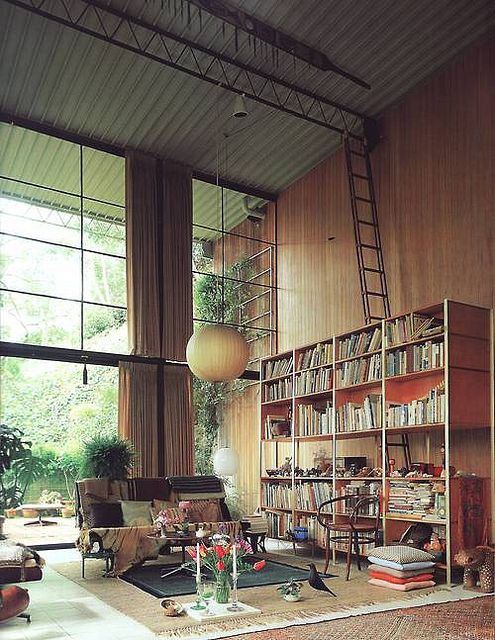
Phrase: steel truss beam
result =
(137, 36)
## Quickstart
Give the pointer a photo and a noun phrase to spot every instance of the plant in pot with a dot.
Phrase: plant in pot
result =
(107, 457)
(291, 590)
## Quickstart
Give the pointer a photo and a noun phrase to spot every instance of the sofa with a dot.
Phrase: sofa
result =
(117, 516)
(17, 564)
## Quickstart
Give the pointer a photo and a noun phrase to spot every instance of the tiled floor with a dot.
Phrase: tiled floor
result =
(62, 609)
(63, 531)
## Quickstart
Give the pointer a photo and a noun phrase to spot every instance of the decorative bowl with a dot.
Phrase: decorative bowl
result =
(171, 607)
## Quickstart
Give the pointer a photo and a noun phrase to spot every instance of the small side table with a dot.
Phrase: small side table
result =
(106, 555)
(182, 542)
(256, 540)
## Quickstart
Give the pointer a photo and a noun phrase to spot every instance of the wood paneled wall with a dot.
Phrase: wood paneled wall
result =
(434, 173)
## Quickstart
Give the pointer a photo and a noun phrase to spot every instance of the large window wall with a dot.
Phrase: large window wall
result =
(62, 243)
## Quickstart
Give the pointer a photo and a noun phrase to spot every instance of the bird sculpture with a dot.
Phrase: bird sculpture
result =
(316, 582)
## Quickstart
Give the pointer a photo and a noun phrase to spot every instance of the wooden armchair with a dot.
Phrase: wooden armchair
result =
(343, 525)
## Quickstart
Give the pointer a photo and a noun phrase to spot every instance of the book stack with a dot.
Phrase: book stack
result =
(322, 353)
(313, 381)
(412, 327)
(360, 370)
(359, 343)
(353, 416)
(276, 368)
(314, 421)
(411, 498)
(255, 523)
(426, 410)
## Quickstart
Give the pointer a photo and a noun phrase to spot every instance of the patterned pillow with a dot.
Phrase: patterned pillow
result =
(204, 511)
(401, 554)
(136, 513)
(104, 514)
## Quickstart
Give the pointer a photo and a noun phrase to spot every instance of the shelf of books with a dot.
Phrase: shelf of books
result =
(402, 407)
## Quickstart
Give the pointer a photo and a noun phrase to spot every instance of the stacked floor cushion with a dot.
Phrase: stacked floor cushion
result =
(401, 568)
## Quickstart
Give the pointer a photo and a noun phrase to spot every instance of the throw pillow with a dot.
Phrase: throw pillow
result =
(104, 514)
(204, 511)
(136, 513)
(388, 578)
(401, 554)
(160, 505)
(402, 587)
(402, 567)
(398, 573)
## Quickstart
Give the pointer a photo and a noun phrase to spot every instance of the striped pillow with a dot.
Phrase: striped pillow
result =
(401, 554)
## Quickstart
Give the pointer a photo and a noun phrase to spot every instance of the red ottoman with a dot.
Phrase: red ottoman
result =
(14, 601)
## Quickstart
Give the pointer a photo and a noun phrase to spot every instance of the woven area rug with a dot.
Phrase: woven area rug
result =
(276, 613)
(462, 620)
(148, 578)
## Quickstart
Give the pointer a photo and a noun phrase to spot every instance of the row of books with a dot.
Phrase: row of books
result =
(314, 381)
(359, 343)
(309, 495)
(277, 495)
(353, 416)
(277, 390)
(411, 498)
(276, 426)
(411, 327)
(430, 408)
(321, 354)
(314, 421)
(355, 491)
(275, 368)
(361, 370)
(279, 524)
(420, 357)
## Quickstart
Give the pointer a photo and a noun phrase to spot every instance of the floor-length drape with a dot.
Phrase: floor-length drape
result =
(159, 284)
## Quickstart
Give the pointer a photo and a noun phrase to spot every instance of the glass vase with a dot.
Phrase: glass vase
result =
(222, 591)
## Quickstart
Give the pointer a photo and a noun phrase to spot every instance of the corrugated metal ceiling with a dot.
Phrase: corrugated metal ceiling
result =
(53, 75)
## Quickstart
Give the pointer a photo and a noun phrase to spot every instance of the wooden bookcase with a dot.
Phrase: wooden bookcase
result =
(425, 377)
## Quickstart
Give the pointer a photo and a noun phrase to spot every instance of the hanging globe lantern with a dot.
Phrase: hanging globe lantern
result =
(217, 353)
(225, 462)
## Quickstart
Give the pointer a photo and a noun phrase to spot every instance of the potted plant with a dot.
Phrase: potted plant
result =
(107, 457)
(291, 590)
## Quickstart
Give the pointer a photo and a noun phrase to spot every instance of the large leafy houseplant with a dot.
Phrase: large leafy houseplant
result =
(18, 466)
(107, 457)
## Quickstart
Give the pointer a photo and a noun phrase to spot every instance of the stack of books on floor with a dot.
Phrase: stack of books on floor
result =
(401, 567)
(255, 523)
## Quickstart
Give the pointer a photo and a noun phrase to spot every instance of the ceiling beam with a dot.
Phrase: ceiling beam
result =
(132, 34)
(264, 32)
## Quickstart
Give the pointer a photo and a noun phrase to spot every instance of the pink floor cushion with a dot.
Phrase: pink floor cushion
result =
(402, 587)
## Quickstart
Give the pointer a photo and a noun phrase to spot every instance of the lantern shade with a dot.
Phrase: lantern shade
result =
(217, 353)
(225, 462)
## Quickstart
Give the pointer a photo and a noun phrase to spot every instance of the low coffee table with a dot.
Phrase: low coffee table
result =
(182, 542)
(39, 508)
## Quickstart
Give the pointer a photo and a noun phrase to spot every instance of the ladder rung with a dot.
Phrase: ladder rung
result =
(357, 153)
(372, 270)
(361, 176)
(376, 294)
(370, 224)
(376, 317)
(363, 199)
(370, 246)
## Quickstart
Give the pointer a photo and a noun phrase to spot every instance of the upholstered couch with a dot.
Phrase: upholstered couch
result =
(117, 516)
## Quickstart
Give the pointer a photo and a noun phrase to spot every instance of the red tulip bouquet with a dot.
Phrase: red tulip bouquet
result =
(226, 562)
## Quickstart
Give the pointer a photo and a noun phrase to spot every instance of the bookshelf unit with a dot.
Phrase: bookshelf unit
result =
(425, 378)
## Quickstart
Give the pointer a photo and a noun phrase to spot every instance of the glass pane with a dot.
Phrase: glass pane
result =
(39, 159)
(105, 329)
(245, 215)
(207, 297)
(104, 279)
(104, 228)
(39, 213)
(249, 260)
(247, 305)
(34, 267)
(33, 320)
(103, 176)
(207, 207)
(207, 253)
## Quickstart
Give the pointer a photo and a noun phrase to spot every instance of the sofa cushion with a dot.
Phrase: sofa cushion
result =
(104, 514)
(401, 554)
(204, 511)
(136, 513)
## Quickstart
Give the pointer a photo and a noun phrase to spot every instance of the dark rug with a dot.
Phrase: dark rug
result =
(147, 578)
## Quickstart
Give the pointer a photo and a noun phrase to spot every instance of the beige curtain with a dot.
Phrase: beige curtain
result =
(138, 414)
(159, 285)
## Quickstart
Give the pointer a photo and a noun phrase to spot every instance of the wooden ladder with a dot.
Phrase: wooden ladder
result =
(404, 445)
(372, 278)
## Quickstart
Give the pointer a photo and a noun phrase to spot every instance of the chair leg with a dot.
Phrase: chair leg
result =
(25, 616)
(349, 556)
(356, 548)
(327, 552)
(82, 566)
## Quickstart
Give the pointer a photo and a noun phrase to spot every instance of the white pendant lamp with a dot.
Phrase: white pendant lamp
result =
(225, 462)
(217, 353)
